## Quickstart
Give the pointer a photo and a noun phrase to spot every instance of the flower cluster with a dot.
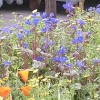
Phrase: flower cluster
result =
(44, 58)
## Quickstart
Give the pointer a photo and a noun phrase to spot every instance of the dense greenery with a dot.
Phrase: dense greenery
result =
(43, 58)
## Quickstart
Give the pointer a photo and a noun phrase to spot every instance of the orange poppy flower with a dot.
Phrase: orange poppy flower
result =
(26, 90)
(24, 75)
(4, 91)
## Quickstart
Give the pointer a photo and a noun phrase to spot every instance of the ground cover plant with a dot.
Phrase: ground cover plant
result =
(43, 58)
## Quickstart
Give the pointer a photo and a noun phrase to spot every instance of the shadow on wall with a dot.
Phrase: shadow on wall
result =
(14, 6)
(25, 5)
(91, 3)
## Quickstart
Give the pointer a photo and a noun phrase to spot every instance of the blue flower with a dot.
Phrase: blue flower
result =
(54, 20)
(90, 9)
(74, 41)
(80, 64)
(98, 10)
(68, 6)
(44, 30)
(45, 46)
(6, 30)
(62, 50)
(47, 21)
(75, 28)
(25, 45)
(44, 15)
(70, 65)
(19, 35)
(96, 60)
(28, 22)
(7, 63)
(50, 43)
(80, 39)
(36, 21)
(48, 25)
(47, 41)
(79, 48)
(89, 32)
(60, 59)
(15, 25)
(98, 6)
(81, 22)
(79, 33)
(51, 14)
(40, 58)
(34, 15)
(27, 31)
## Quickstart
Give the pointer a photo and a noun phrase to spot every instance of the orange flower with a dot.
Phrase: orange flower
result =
(24, 75)
(4, 91)
(26, 90)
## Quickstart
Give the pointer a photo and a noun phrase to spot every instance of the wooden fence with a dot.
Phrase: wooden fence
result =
(50, 6)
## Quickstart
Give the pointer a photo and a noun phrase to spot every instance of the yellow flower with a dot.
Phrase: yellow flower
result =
(5, 78)
(90, 19)
(13, 13)
(44, 80)
(87, 75)
(69, 81)
(18, 53)
(86, 17)
(2, 82)
(59, 85)
(40, 77)
(29, 85)
(32, 68)
(48, 77)
(78, 8)
(98, 49)
(88, 45)
(28, 17)
(34, 80)
(15, 58)
(96, 95)
(44, 93)
(8, 99)
(0, 44)
(1, 98)
(31, 99)
(35, 71)
(34, 86)
(34, 11)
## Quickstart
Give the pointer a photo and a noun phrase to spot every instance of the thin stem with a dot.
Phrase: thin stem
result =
(25, 60)
(34, 45)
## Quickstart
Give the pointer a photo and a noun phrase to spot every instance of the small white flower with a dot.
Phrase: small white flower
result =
(38, 49)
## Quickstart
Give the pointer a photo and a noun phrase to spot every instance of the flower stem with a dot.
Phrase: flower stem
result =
(25, 60)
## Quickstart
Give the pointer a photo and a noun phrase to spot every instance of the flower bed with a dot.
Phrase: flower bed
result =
(43, 58)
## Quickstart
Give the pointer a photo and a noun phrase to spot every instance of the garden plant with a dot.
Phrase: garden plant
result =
(43, 58)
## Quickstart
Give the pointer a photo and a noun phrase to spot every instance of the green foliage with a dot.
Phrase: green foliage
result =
(58, 68)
